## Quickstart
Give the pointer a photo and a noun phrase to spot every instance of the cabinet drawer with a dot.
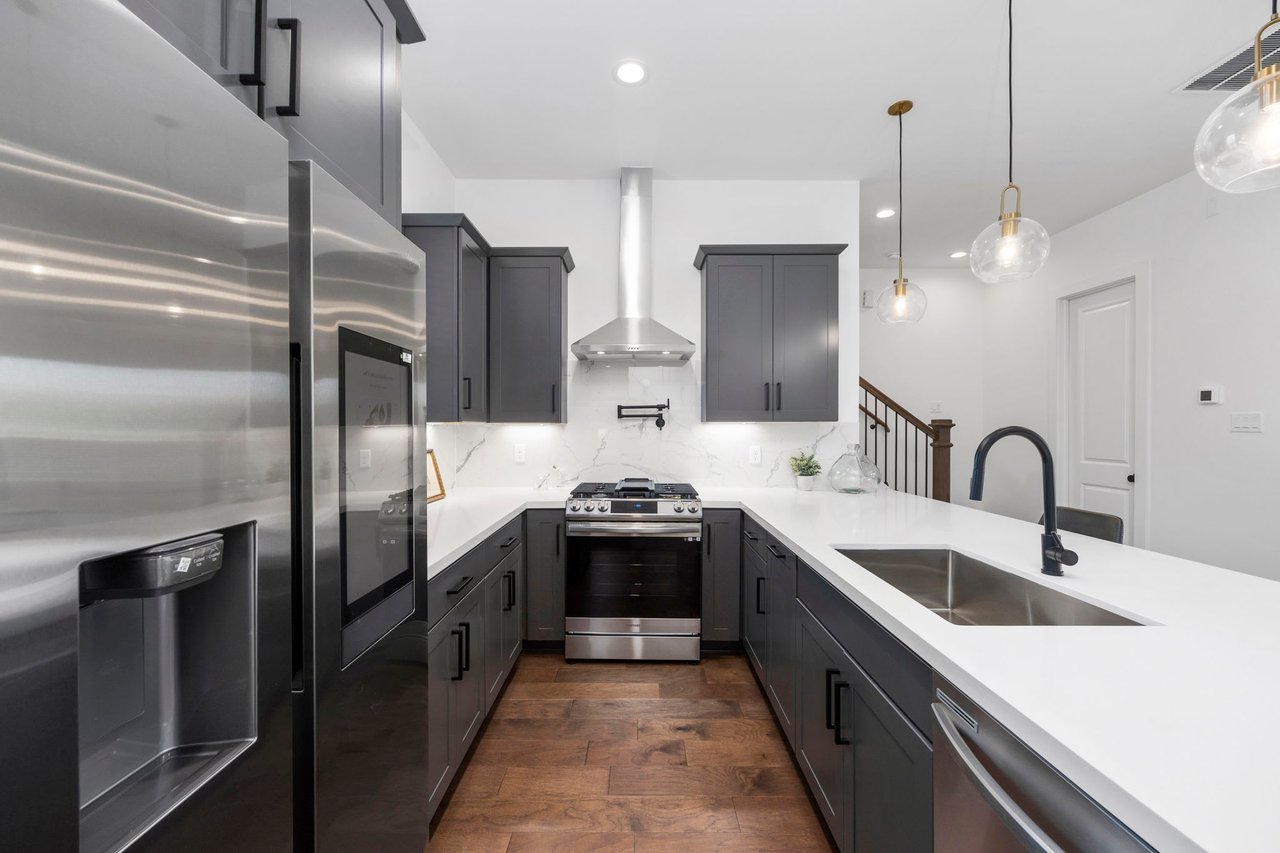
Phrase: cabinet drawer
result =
(753, 535)
(446, 589)
(905, 678)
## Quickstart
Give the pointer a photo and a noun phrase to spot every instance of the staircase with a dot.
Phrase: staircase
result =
(913, 456)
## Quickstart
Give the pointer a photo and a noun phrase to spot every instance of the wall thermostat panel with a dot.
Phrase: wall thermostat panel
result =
(1210, 395)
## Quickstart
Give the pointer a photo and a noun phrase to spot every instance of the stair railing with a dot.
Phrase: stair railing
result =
(913, 456)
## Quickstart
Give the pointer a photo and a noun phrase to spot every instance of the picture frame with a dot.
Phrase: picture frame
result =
(435, 484)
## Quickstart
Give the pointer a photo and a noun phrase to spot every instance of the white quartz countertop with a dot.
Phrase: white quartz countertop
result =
(1166, 725)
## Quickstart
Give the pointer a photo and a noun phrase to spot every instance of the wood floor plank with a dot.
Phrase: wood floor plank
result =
(465, 839)
(554, 783)
(603, 814)
(728, 669)
(571, 842)
(572, 690)
(636, 752)
(621, 673)
(627, 781)
(727, 842)
(656, 708)
(479, 781)
(777, 815)
(757, 709)
(702, 689)
(719, 753)
(576, 729)
(533, 675)
(736, 731)
(530, 753)
(531, 709)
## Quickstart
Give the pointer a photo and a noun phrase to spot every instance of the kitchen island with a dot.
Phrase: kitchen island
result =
(1163, 724)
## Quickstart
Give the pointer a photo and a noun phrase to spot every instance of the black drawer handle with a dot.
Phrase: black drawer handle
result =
(840, 741)
(774, 552)
(831, 673)
(294, 26)
(759, 581)
(462, 584)
(466, 393)
(510, 541)
(466, 658)
(747, 534)
(458, 677)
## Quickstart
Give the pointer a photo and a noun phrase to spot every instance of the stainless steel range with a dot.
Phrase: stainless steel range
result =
(633, 579)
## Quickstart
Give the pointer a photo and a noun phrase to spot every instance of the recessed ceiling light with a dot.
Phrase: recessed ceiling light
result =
(959, 254)
(599, 352)
(885, 212)
(630, 73)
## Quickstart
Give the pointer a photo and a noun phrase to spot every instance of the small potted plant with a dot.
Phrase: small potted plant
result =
(806, 468)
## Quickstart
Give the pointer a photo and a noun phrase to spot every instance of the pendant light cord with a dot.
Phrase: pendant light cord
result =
(1011, 88)
(900, 211)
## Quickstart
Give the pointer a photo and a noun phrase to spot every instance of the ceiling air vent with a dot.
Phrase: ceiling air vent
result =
(1236, 72)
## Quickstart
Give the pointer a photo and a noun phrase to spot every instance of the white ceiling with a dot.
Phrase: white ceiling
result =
(798, 89)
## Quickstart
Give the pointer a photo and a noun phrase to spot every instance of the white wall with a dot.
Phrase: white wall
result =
(584, 216)
(426, 184)
(1214, 301)
(939, 360)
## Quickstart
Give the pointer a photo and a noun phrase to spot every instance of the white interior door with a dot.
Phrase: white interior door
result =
(1100, 415)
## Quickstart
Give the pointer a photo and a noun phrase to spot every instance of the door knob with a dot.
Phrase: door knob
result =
(1129, 478)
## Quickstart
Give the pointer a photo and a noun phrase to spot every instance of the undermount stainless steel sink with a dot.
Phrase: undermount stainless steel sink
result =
(965, 591)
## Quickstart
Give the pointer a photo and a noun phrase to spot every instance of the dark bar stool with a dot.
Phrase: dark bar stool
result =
(1099, 525)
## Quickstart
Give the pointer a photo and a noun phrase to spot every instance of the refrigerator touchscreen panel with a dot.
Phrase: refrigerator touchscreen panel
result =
(376, 459)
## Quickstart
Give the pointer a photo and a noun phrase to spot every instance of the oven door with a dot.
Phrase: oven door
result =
(633, 578)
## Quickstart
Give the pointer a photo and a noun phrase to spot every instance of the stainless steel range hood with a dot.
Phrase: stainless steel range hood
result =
(635, 337)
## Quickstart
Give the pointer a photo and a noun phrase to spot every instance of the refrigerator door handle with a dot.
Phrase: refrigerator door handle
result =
(1010, 813)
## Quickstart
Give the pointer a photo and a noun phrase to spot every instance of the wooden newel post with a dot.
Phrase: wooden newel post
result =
(942, 458)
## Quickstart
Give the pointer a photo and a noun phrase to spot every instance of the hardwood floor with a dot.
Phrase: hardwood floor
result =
(641, 758)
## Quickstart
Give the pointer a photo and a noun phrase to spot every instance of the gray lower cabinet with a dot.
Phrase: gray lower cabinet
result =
(457, 315)
(755, 603)
(544, 576)
(822, 752)
(721, 576)
(528, 335)
(502, 623)
(770, 332)
(781, 660)
(442, 667)
(466, 690)
(512, 612)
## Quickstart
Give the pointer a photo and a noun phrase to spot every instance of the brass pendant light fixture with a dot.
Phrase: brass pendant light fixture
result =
(1238, 148)
(1014, 247)
(901, 302)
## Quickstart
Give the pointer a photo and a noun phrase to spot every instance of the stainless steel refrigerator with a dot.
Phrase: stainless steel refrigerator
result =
(358, 306)
(145, 582)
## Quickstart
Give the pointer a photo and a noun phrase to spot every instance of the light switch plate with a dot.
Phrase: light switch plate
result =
(753, 454)
(519, 454)
(1246, 421)
(868, 299)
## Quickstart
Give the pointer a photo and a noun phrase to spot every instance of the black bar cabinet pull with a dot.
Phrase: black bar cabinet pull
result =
(553, 398)
(766, 396)
(777, 402)
(511, 540)
(706, 534)
(831, 674)
(462, 584)
(774, 552)
(557, 539)
(294, 26)
(298, 582)
(458, 677)
(466, 392)
(466, 657)
(254, 77)
(747, 534)
(759, 581)
(509, 583)
(840, 741)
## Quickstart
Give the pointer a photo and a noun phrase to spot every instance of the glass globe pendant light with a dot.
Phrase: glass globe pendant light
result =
(1238, 148)
(902, 301)
(1013, 247)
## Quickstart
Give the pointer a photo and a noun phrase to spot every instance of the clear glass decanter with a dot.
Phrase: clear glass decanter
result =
(853, 473)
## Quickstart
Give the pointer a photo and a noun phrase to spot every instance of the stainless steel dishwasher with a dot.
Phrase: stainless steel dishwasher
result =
(993, 794)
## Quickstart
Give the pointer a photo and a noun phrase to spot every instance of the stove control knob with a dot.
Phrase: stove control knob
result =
(575, 506)
(679, 507)
(694, 506)
(590, 507)
(603, 506)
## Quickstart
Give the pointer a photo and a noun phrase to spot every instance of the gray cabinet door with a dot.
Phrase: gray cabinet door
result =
(721, 575)
(891, 780)
(467, 684)
(219, 37)
(473, 337)
(512, 611)
(527, 343)
(442, 663)
(781, 665)
(755, 610)
(348, 93)
(544, 576)
(823, 759)
(737, 340)
(495, 596)
(806, 305)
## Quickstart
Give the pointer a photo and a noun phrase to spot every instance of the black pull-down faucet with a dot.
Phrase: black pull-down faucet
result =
(1053, 555)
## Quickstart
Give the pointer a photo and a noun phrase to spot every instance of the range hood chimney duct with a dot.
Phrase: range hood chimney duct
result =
(635, 337)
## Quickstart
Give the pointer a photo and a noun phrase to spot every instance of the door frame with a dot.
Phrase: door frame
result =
(1139, 272)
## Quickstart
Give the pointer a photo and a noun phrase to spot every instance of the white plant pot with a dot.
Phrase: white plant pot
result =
(805, 484)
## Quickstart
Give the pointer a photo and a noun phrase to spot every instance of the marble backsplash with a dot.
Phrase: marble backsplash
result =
(596, 445)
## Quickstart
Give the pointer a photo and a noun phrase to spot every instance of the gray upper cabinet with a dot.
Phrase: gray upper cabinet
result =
(457, 315)
(528, 334)
(770, 318)
(721, 576)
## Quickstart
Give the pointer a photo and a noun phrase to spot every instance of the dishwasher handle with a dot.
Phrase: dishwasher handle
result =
(1011, 814)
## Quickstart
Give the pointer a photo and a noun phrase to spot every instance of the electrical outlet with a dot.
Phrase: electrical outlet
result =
(1246, 421)
(753, 454)
(366, 457)
(519, 454)
(935, 407)
(868, 299)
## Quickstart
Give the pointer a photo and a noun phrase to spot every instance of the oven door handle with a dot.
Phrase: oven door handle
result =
(671, 530)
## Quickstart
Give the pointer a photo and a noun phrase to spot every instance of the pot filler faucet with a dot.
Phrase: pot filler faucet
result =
(1053, 555)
